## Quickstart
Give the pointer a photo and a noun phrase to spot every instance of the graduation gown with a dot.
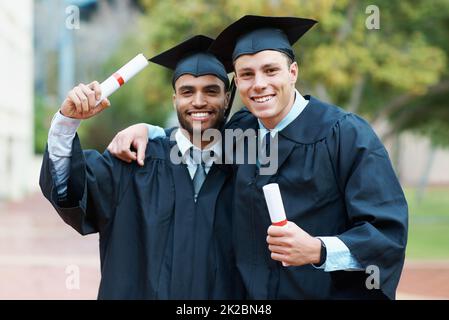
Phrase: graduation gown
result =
(155, 241)
(335, 179)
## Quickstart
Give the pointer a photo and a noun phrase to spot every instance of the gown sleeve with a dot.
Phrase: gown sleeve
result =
(95, 184)
(375, 204)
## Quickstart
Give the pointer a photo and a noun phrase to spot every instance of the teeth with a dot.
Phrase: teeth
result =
(200, 114)
(263, 99)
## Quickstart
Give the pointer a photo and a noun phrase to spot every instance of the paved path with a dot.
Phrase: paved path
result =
(40, 255)
(43, 258)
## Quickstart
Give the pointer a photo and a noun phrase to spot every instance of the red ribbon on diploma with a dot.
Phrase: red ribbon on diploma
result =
(280, 223)
(119, 79)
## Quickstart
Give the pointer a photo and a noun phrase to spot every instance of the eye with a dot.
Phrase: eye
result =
(212, 92)
(271, 71)
(245, 75)
(186, 93)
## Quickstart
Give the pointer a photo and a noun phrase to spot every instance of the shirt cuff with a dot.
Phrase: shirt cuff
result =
(63, 125)
(61, 135)
(155, 132)
(338, 256)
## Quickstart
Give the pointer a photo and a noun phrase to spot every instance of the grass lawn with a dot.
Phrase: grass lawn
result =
(428, 224)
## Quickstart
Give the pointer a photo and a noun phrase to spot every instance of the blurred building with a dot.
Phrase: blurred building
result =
(16, 98)
(421, 163)
(416, 161)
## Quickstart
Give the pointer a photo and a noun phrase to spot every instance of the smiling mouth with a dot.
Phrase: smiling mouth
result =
(263, 99)
(203, 115)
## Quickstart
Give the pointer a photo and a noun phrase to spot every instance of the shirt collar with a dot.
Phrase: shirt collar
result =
(298, 106)
(210, 154)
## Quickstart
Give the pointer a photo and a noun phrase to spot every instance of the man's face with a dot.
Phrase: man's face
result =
(200, 102)
(266, 85)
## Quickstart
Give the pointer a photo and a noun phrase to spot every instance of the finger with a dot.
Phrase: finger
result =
(278, 257)
(133, 155)
(141, 147)
(123, 144)
(276, 231)
(90, 94)
(113, 146)
(279, 241)
(95, 86)
(128, 155)
(278, 249)
(105, 103)
(121, 153)
(124, 156)
(83, 99)
(75, 100)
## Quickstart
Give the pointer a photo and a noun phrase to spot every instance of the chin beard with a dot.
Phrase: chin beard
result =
(186, 125)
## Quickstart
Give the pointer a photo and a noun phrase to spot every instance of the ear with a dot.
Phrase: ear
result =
(174, 100)
(236, 80)
(293, 72)
(227, 97)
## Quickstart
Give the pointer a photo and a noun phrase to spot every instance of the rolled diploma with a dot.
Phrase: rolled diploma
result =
(123, 75)
(275, 206)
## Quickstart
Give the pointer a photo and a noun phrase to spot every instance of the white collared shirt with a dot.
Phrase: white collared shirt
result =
(209, 154)
(299, 105)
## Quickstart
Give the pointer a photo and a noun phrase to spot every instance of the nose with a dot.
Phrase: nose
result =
(199, 100)
(259, 82)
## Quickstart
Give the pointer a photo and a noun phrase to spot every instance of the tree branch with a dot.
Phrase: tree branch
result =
(356, 94)
(401, 120)
(398, 102)
(346, 27)
(322, 93)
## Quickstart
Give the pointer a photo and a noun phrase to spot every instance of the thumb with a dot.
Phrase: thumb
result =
(141, 147)
(104, 104)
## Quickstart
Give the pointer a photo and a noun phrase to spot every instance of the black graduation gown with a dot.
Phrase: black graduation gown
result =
(336, 179)
(155, 241)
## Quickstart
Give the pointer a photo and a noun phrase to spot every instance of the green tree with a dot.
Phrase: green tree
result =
(398, 73)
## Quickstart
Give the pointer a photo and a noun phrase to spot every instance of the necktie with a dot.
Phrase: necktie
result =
(263, 161)
(267, 144)
(200, 173)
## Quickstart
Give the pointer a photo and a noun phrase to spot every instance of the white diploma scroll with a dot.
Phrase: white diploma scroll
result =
(275, 206)
(123, 75)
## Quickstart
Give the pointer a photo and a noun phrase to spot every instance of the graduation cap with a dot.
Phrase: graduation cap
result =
(192, 57)
(252, 34)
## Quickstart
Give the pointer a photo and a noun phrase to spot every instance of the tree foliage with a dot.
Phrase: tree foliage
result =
(398, 73)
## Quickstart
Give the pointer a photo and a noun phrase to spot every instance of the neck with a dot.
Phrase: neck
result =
(196, 139)
(271, 123)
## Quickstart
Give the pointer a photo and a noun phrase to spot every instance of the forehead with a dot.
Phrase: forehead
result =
(198, 82)
(254, 61)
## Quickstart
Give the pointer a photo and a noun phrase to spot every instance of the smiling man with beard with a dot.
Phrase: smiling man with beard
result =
(164, 227)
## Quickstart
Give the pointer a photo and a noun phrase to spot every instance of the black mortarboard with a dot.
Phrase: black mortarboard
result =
(191, 57)
(251, 34)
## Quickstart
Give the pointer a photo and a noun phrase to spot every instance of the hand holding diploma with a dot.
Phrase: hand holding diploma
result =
(287, 242)
(85, 101)
(81, 101)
